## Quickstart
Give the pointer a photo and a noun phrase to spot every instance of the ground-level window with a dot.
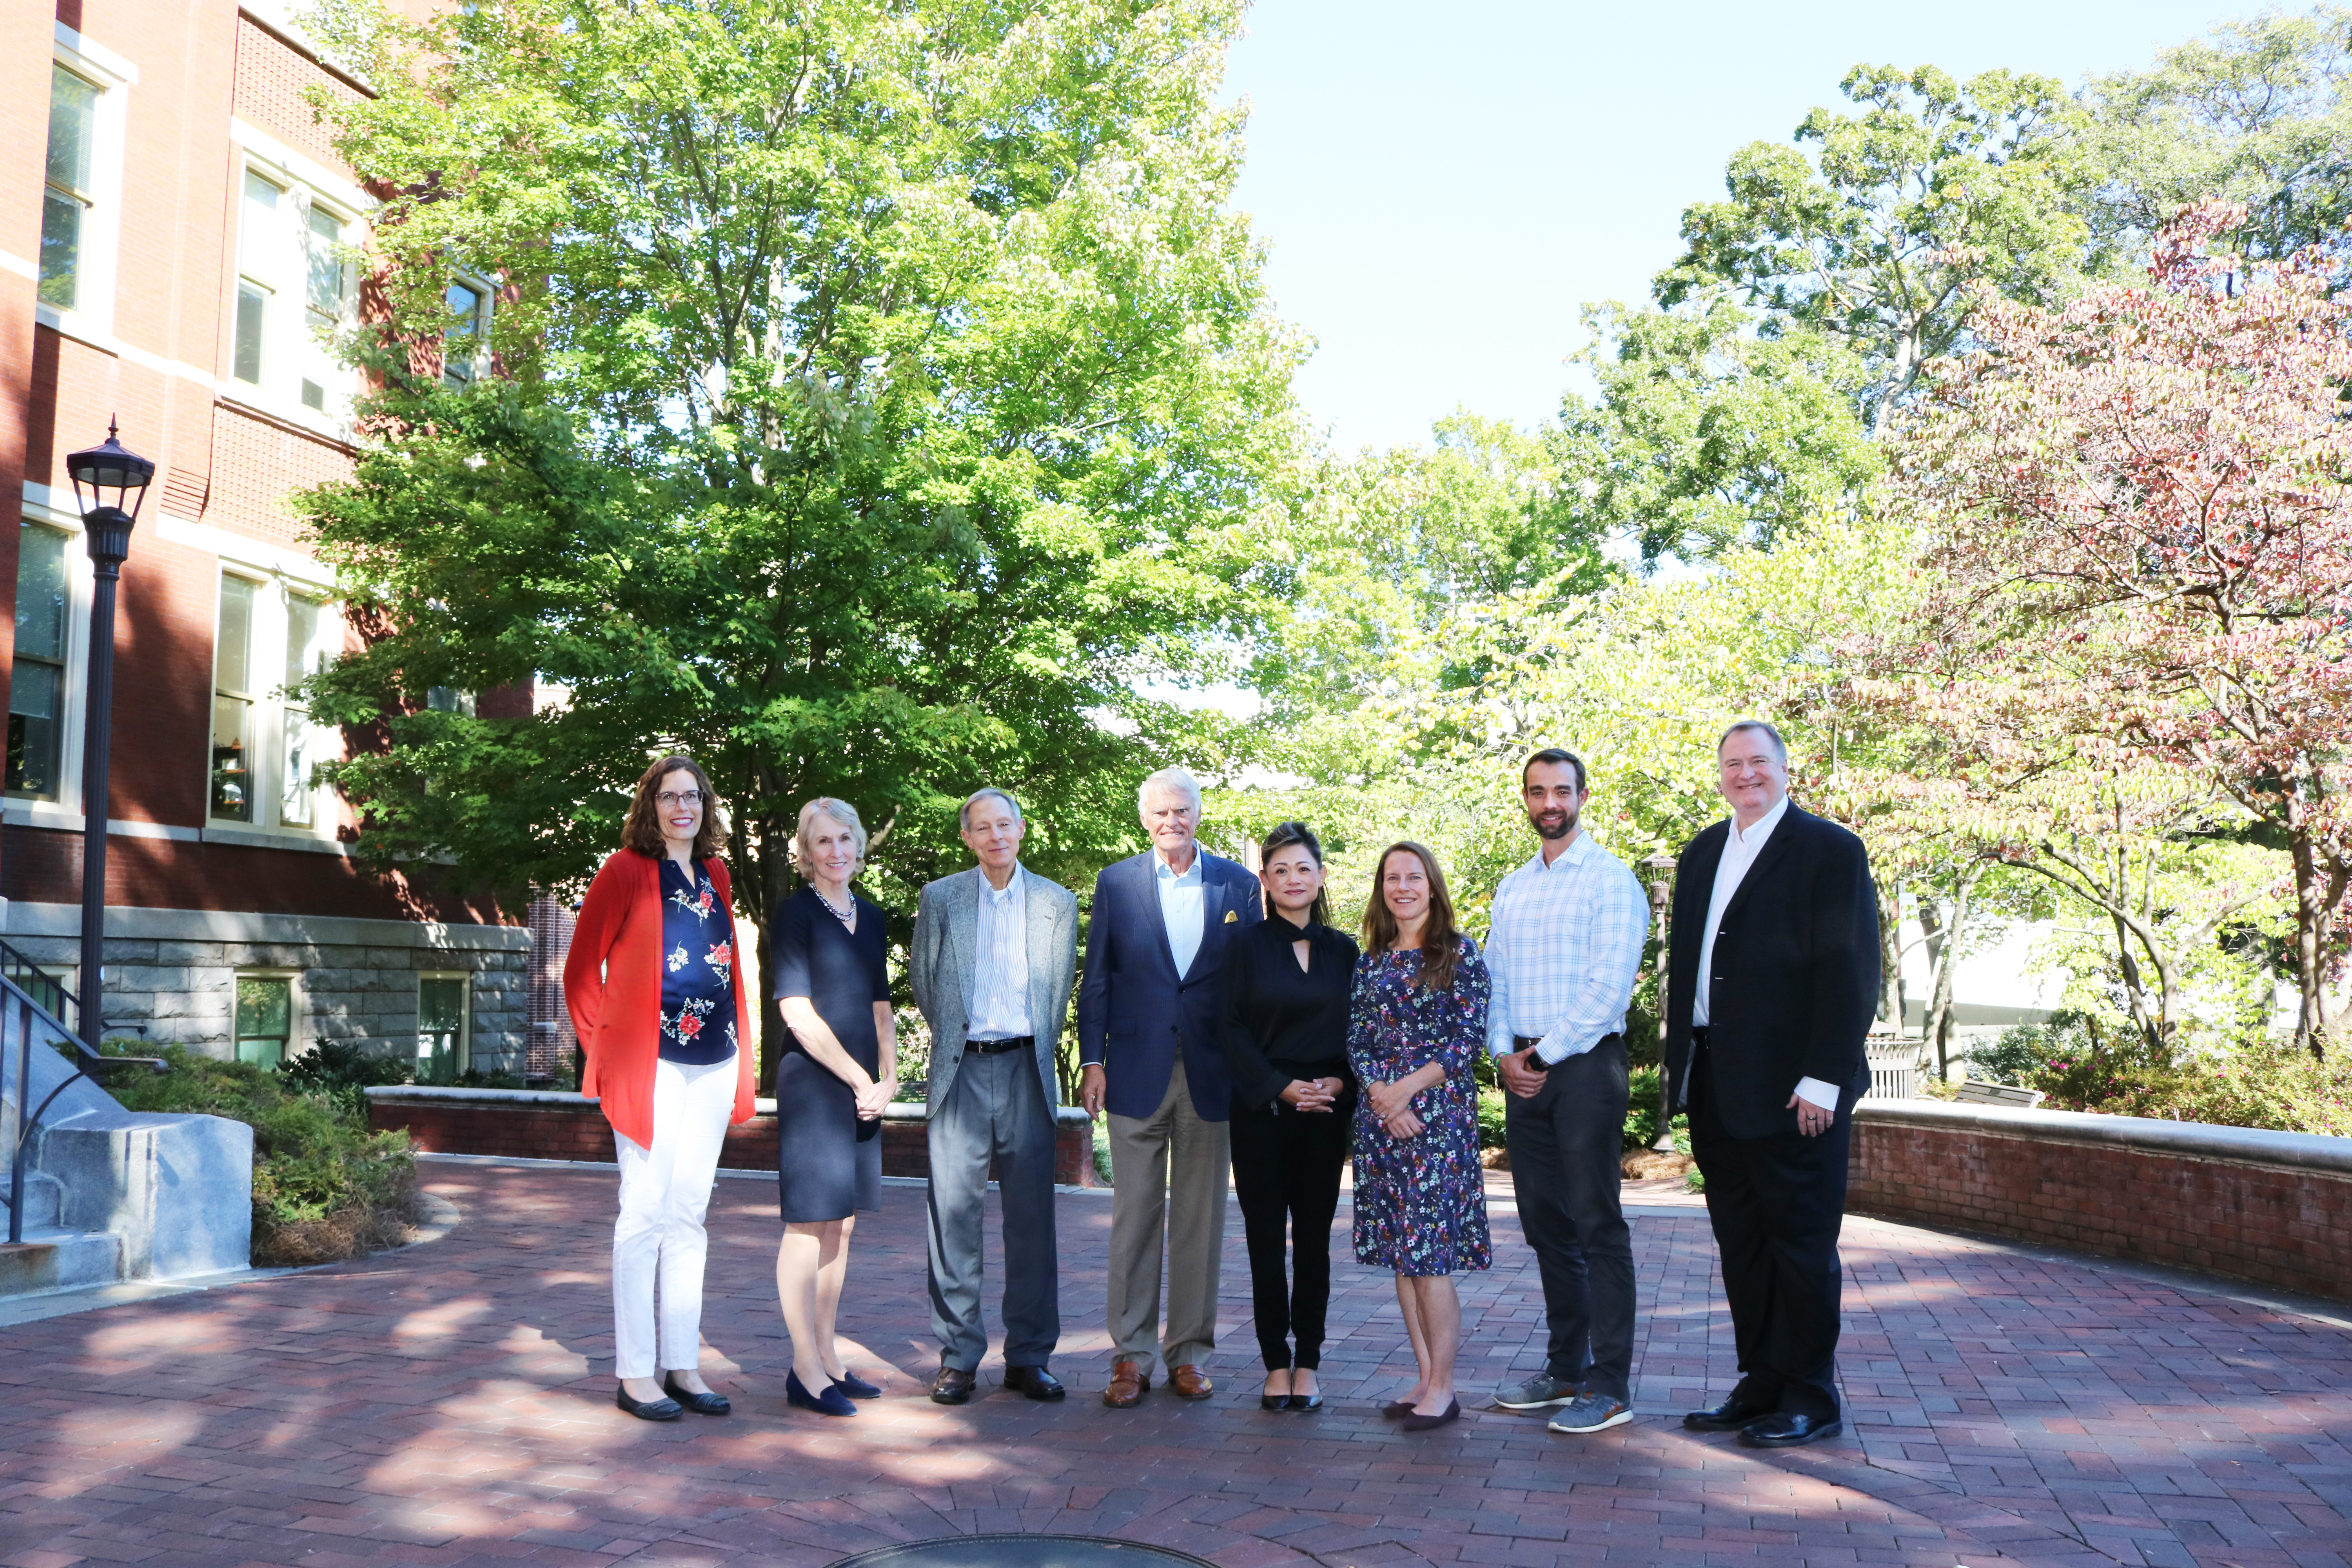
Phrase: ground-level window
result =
(37, 690)
(441, 1045)
(265, 1019)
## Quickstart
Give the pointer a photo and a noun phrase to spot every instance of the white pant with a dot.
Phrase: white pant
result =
(664, 1191)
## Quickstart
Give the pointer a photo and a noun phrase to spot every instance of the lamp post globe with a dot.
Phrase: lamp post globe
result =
(106, 531)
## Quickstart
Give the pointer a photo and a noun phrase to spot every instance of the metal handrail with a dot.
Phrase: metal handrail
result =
(87, 1063)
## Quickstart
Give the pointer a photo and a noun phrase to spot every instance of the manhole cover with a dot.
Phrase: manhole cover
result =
(1022, 1551)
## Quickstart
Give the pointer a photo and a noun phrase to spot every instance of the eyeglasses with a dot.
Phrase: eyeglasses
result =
(678, 797)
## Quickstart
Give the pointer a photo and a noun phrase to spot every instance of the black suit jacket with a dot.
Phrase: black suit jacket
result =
(1136, 1014)
(1796, 972)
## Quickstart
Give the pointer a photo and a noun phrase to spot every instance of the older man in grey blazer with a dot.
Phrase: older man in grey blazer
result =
(995, 955)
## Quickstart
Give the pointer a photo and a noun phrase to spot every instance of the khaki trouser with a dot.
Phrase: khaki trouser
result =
(1170, 1166)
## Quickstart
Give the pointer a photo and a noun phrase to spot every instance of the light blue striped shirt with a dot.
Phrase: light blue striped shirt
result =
(1564, 948)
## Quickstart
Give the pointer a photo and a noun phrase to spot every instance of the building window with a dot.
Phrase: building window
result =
(232, 751)
(290, 248)
(442, 1053)
(265, 1019)
(37, 690)
(463, 354)
(67, 195)
(265, 749)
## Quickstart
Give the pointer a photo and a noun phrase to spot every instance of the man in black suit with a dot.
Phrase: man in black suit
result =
(1771, 987)
(1148, 1048)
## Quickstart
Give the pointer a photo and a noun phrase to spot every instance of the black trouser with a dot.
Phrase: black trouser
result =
(1568, 1144)
(1287, 1166)
(1776, 1203)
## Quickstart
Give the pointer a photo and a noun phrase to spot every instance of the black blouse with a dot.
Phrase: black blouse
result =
(1279, 1023)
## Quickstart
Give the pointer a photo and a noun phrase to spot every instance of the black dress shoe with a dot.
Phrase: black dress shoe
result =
(952, 1386)
(700, 1404)
(646, 1409)
(1782, 1430)
(1035, 1381)
(1728, 1416)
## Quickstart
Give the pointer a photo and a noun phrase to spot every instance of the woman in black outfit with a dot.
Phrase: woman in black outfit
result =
(838, 1073)
(1285, 991)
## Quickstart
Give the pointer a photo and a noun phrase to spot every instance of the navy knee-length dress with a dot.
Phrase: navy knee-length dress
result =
(828, 1162)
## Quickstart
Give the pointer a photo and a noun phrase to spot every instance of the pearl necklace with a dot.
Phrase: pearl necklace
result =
(848, 918)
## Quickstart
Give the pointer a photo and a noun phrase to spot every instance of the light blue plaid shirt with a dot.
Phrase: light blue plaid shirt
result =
(1563, 951)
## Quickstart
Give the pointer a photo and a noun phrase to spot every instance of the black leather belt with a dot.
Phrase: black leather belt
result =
(1536, 1063)
(998, 1047)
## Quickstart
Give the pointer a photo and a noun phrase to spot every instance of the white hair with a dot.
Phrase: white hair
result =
(989, 792)
(842, 812)
(1169, 781)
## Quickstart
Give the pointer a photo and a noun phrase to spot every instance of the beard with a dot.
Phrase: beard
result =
(1552, 825)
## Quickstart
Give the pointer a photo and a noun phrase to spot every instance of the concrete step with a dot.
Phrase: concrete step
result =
(44, 1197)
(54, 1259)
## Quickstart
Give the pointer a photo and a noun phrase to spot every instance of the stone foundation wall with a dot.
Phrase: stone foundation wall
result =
(533, 1124)
(2273, 1208)
(172, 974)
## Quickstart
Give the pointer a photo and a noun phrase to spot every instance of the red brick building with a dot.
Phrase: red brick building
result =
(177, 237)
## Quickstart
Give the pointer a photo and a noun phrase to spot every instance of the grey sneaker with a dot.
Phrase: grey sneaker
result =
(1538, 1393)
(1592, 1412)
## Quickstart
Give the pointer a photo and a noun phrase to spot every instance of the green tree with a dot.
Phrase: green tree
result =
(888, 391)
(1872, 239)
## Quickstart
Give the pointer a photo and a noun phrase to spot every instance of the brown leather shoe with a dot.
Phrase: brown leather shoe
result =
(1190, 1383)
(1128, 1381)
(952, 1386)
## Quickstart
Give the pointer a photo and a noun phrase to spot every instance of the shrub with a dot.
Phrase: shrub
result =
(2026, 1049)
(1490, 1117)
(324, 1187)
(1644, 1096)
(2259, 1083)
(343, 1071)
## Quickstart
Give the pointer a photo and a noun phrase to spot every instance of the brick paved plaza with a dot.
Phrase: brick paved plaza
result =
(451, 1404)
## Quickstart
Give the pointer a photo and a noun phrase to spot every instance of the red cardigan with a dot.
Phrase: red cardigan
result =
(613, 983)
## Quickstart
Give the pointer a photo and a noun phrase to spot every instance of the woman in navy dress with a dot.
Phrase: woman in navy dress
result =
(833, 985)
(1416, 1026)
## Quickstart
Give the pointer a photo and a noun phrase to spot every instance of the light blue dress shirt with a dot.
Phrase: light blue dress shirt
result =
(1183, 907)
(1563, 952)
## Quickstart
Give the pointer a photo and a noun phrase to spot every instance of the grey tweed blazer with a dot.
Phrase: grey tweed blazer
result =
(947, 939)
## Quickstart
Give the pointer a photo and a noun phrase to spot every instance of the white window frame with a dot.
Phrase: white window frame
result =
(298, 1012)
(278, 574)
(65, 812)
(91, 318)
(479, 365)
(462, 1055)
(305, 185)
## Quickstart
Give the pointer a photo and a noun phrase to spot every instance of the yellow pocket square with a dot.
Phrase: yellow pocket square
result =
(1232, 917)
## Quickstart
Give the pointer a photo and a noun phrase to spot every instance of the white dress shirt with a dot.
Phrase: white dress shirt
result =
(1183, 907)
(1740, 848)
(999, 963)
(1563, 950)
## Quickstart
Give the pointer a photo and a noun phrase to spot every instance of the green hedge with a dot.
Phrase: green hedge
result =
(324, 1187)
(2080, 1066)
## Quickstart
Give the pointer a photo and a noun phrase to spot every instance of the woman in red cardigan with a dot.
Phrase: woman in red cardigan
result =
(658, 999)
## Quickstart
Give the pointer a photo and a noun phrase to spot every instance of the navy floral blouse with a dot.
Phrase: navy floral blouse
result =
(697, 1001)
(1421, 1201)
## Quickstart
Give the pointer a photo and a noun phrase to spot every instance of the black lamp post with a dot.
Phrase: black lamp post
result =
(1660, 868)
(106, 529)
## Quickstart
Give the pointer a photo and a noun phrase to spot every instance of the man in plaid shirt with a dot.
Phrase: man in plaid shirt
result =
(1567, 940)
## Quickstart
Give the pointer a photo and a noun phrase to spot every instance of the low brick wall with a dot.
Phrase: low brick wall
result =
(543, 1124)
(2274, 1208)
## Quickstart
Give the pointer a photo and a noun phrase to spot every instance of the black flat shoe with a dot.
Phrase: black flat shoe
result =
(855, 1386)
(1728, 1416)
(1782, 1430)
(646, 1409)
(1396, 1410)
(1417, 1422)
(832, 1402)
(700, 1404)
(1305, 1402)
(1273, 1401)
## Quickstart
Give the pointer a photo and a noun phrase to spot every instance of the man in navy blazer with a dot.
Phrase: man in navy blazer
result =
(1148, 1055)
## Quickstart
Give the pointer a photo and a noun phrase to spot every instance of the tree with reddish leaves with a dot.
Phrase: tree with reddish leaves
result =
(2149, 490)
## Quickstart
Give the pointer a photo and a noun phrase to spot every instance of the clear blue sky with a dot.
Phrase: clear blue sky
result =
(1443, 186)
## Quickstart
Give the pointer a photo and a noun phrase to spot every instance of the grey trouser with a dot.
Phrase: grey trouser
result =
(995, 1110)
(1170, 1166)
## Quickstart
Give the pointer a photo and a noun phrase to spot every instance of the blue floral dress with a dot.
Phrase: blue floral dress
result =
(1421, 1201)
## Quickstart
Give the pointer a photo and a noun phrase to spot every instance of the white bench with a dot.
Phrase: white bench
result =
(1976, 1091)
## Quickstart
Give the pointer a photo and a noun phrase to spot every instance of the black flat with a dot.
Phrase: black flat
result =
(1305, 1402)
(855, 1386)
(700, 1404)
(647, 1409)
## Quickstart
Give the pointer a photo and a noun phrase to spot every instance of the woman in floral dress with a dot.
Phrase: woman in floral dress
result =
(1416, 1025)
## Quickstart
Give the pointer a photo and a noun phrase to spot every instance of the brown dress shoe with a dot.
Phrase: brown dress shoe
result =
(1128, 1381)
(952, 1386)
(1190, 1383)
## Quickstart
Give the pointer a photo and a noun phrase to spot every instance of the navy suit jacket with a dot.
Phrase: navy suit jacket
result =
(1135, 1011)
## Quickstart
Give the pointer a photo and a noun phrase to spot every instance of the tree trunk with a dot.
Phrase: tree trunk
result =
(1890, 957)
(1944, 952)
(2317, 896)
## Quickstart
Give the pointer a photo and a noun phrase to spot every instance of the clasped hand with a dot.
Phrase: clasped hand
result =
(1317, 1094)
(874, 1098)
(1392, 1104)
